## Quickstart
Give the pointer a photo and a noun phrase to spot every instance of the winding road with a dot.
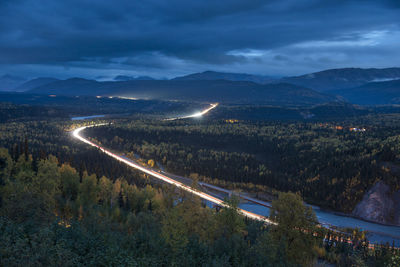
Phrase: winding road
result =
(379, 233)
(154, 173)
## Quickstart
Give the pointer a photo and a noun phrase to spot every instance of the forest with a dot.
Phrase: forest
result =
(330, 164)
(202, 133)
(51, 215)
(64, 203)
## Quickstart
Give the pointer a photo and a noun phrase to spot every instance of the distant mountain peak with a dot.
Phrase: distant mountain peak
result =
(122, 78)
(210, 75)
(335, 79)
(243, 92)
(12, 77)
(219, 72)
(10, 82)
(373, 93)
(78, 79)
(29, 85)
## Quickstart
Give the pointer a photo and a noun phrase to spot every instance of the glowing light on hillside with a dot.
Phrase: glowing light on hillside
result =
(195, 115)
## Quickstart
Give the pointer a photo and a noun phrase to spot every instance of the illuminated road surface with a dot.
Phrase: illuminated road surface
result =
(169, 180)
(381, 234)
(195, 115)
(155, 174)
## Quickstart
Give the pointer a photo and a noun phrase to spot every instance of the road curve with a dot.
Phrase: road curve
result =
(169, 180)
(162, 177)
(195, 115)
(166, 178)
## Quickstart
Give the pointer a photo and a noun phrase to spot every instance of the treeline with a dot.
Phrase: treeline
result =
(11, 112)
(40, 138)
(328, 111)
(24, 107)
(50, 216)
(328, 164)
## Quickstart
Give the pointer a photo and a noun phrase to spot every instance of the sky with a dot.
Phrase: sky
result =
(163, 39)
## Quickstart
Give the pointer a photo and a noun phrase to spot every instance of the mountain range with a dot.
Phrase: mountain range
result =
(336, 79)
(374, 93)
(10, 82)
(120, 78)
(213, 75)
(239, 92)
(360, 86)
(31, 84)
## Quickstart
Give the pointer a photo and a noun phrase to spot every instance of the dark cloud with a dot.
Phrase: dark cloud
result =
(178, 36)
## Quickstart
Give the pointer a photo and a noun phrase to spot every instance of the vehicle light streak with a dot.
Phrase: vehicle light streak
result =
(76, 134)
(195, 115)
(149, 171)
(169, 180)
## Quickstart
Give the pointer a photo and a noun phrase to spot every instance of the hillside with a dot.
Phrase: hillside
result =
(31, 84)
(10, 82)
(120, 78)
(375, 93)
(215, 91)
(73, 86)
(213, 75)
(326, 112)
(332, 79)
(335, 79)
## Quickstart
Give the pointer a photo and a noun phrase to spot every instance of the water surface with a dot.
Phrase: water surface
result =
(378, 233)
(87, 117)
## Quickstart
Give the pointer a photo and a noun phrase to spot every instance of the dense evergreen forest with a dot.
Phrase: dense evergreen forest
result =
(329, 164)
(50, 215)
(63, 203)
(24, 107)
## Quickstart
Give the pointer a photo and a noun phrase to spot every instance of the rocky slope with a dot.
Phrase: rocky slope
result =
(379, 205)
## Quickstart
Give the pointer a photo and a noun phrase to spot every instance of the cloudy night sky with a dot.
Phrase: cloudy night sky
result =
(164, 39)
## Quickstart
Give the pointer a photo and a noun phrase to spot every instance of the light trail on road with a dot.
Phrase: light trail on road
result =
(172, 181)
(195, 115)
(154, 173)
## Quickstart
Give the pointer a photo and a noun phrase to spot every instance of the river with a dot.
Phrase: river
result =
(378, 233)
(87, 117)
